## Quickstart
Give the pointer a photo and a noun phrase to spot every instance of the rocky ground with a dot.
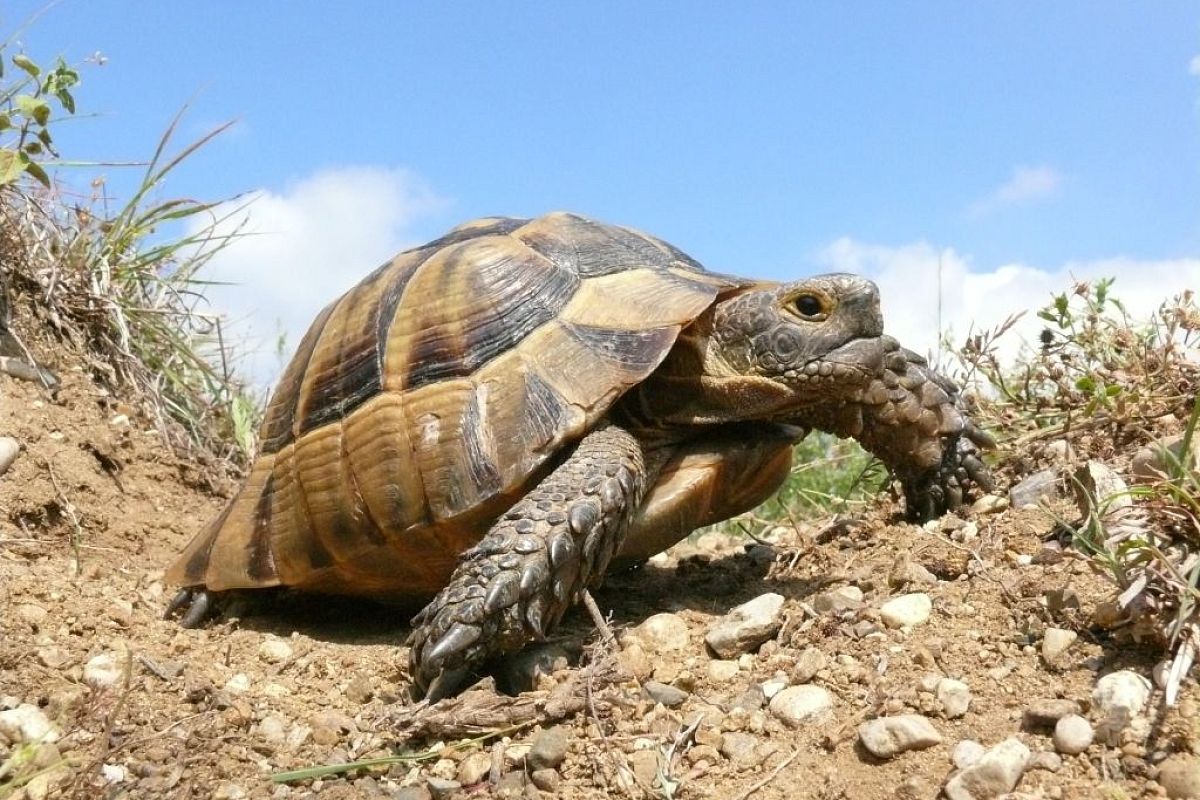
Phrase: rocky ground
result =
(865, 659)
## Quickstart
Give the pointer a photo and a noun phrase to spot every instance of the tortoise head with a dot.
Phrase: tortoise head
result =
(770, 351)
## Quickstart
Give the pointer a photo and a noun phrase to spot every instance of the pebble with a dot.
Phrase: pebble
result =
(835, 601)
(634, 659)
(810, 661)
(1046, 713)
(906, 610)
(771, 688)
(26, 723)
(1117, 699)
(229, 791)
(989, 504)
(272, 733)
(886, 737)
(966, 753)
(53, 657)
(1055, 642)
(663, 633)
(645, 764)
(1073, 734)
(547, 780)
(31, 614)
(275, 651)
(954, 697)
(1179, 776)
(239, 683)
(360, 690)
(412, 793)
(1045, 760)
(1098, 485)
(1150, 464)
(1030, 491)
(739, 748)
(549, 749)
(798, 705)
(995, 773)
(721, 671)
(474, 768)
(102, 672)
(746, 626)
(442, 788)
(9, 448)
(669, 696)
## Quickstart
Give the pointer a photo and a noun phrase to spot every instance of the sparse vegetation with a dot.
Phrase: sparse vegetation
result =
(122, 288)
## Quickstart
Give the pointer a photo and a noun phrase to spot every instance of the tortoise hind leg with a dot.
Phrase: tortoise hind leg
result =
(196, 603)
(516, 583)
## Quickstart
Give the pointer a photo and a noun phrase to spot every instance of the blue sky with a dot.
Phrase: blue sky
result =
(1017, 142)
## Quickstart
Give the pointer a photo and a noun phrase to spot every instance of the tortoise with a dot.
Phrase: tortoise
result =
(493, 419)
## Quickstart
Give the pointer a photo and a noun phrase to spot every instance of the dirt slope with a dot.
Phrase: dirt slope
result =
(95, 506)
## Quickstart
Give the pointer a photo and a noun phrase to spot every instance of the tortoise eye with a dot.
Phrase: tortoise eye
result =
(809, 305)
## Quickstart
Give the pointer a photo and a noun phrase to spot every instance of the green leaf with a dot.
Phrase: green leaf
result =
(1113, 390)
(33, 148)
(24, 63)
(35, 169)
(1086, 384)
(11, 166)
(33, 108)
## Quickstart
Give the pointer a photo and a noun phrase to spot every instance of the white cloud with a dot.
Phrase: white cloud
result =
(975, 299)
(1194, 65)
(306, 245)
(1026, 185)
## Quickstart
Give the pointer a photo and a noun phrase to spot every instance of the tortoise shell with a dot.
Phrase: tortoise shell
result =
(423, 402)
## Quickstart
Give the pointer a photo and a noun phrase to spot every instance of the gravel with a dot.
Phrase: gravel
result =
(747, 626)
(907, 610)
(887, 737)
(1073, 734)
(798, 705)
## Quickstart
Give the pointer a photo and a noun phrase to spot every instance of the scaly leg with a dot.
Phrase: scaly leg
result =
(531, 566)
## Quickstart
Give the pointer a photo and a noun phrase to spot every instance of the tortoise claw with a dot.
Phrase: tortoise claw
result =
(198, 603)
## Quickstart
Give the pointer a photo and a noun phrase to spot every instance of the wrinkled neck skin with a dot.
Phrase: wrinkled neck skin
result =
(752, 358)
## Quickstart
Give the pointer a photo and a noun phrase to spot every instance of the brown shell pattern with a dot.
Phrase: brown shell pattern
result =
(422, 402)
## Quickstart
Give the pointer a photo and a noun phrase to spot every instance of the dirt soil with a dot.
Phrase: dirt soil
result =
(95, 506)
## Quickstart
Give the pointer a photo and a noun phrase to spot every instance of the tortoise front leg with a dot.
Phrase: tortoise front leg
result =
(516, 583)
(914, 420)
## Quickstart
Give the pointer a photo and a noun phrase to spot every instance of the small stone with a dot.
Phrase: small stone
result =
(360, 690)
(271, 733)
(634, 659)
(102, 672)
(739, 748)
(1073, 734)
(954, 697)
(1045, 760)
(998, 771)
(836, 601)
(771, 688)
(275, 651)
(1098, 486)
(721, 671)
(746, 626)
(238, 684)
(1060, 450)
(1118, 698)
(1179, 776)
(1030, 491)
(669, 696)
(907, 610)
(412, 793)
(549, 749)
(442, 788)
(1042, 714)
(810, 661)
(798, 705)
(989, 504)
(31, 614)
(53, 657)
(1151, 464)
(645, 765)
(1055, 642)
(548, 780)
(229, 791)
(26, 723)
(9, 448)
(966, 753)
(474, 769)
(887, 737)
(663, 633)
